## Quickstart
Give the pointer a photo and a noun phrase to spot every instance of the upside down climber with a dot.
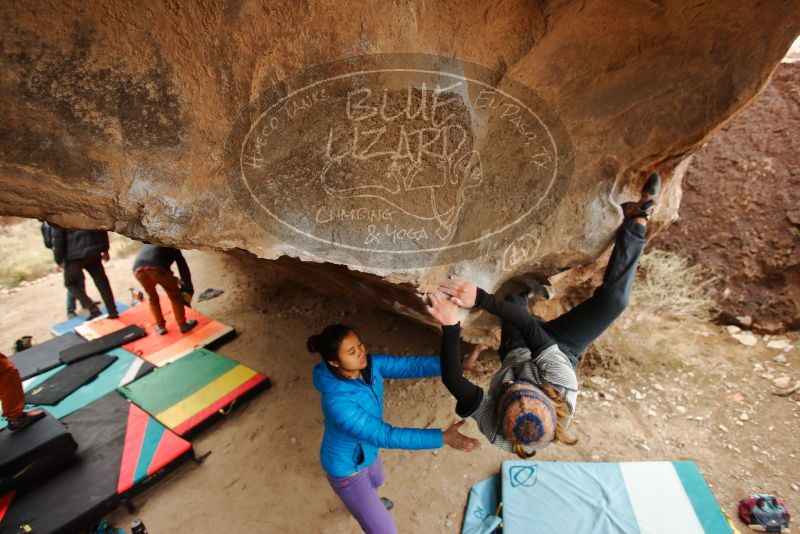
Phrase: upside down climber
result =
(531, 399)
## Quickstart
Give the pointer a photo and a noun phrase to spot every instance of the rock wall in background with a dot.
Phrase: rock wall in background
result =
(740, 212)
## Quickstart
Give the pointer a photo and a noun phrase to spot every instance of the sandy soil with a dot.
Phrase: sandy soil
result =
(691, 393)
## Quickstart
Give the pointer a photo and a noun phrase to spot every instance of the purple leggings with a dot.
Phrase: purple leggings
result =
(359, 493)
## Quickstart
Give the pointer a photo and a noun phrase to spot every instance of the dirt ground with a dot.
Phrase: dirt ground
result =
(691, 393)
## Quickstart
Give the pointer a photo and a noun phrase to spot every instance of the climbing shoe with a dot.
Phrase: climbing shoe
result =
(652, 186)
(644, 208)
(24, 420)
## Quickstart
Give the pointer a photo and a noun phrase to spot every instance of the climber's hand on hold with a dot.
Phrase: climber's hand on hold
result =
(442, 309)
(461, 291)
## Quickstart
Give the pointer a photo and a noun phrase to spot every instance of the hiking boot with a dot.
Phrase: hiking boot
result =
(527, 286)
(24, 420)
(161, 330)
(113, 315)
(188, 326)
(387, 503)
(94, 313)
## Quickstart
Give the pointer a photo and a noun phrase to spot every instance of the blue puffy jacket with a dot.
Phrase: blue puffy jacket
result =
(353, 409)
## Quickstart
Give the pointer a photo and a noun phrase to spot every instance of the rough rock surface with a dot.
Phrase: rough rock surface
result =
(404, 140)
(740, 212)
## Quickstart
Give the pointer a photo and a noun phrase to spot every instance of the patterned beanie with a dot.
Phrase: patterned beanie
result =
(527, 414)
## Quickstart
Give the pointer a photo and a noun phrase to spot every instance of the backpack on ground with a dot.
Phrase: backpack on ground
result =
(764, 512)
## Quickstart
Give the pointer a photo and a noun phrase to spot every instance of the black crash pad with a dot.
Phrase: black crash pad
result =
(44, 356)
(102, 344)
(34, 452)
(67, 380)
(122, 451)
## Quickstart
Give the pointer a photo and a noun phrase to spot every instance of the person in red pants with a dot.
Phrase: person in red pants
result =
(12, 397)
(153, 266)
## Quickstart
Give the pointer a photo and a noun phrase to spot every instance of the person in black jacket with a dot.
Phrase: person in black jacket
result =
(79, 250)
(47, 237)
(153, 266)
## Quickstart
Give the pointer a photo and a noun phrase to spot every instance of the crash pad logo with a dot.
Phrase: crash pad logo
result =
(399, 161)
(522, 475)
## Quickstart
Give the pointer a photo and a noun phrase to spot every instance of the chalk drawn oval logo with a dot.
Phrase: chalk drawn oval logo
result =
(399, 161)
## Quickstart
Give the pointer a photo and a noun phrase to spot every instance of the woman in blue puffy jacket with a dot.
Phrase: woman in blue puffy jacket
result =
(351, 384)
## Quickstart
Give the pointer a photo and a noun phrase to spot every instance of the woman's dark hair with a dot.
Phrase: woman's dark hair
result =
(327, 342)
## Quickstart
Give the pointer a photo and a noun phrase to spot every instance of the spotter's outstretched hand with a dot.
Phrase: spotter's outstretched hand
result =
(459, 441)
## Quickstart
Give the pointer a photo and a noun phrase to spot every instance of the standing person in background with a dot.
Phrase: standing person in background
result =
(79, 250)
(153, 266)
(13, 399)
(47, 237)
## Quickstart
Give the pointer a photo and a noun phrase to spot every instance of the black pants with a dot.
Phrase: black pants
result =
(70, 302)
(575, 330)
(74, 280)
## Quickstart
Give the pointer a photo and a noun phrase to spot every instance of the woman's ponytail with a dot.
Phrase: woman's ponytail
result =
(312, 344)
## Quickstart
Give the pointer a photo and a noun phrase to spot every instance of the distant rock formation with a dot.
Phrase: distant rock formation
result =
(740, 212)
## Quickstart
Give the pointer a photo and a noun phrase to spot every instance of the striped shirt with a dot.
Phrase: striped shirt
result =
(550, 366)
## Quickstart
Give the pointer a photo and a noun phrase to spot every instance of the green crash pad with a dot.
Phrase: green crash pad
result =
(189, 391)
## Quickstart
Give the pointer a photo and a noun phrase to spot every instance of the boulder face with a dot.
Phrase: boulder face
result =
(398, 161)
(400, 141)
